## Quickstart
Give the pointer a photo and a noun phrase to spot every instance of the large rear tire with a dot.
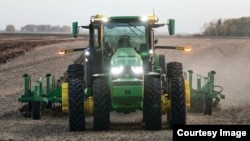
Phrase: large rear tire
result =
(102, 103)
(174, 69)
(152, 103)
(76, 106)
(176, 91)
(75, 71)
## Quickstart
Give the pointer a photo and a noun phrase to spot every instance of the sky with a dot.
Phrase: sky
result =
(190, 15)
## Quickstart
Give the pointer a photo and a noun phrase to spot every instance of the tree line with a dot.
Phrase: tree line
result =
(228, 27)
(39, 28)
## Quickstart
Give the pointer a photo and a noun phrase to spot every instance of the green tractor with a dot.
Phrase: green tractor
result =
(122, 72)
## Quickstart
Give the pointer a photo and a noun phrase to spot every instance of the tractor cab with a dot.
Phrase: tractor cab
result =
(122, 32)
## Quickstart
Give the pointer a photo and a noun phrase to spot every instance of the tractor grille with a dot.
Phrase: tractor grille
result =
(133, 83)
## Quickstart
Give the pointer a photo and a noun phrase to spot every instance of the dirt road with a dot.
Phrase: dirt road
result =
(228, 57)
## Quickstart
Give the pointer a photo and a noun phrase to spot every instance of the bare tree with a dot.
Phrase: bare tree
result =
(10, 28)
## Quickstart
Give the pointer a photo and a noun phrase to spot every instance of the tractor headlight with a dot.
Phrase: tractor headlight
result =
(117, 69)
(86, 60)
(151, 51)
(144, 18)
(87, 53)
(137, 69)
(104, 19)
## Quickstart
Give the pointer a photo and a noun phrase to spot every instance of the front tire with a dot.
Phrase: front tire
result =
(152, 103)
(101, 104)
(76, 106)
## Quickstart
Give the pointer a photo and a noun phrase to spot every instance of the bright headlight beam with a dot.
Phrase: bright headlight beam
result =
(104, 19)
(187, 49)
(144, 18)
(151, 51)
(116, 70)
(137, 69)
(87, 53)
(61, 52)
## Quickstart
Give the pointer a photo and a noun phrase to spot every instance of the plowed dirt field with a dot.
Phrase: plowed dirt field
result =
(37, 55)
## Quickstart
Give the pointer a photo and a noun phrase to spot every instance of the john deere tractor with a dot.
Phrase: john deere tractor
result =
(122, 72)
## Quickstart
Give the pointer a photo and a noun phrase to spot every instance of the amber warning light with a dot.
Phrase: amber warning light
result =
(67, 51)
(187, 49)
(62, 52)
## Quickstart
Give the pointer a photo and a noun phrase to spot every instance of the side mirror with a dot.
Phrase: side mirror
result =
(171, 26)
(75, 29)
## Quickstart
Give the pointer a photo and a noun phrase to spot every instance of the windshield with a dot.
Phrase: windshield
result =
(124, 35)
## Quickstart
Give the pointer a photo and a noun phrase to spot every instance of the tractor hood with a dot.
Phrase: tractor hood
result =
(126, 61)
(126, 57)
